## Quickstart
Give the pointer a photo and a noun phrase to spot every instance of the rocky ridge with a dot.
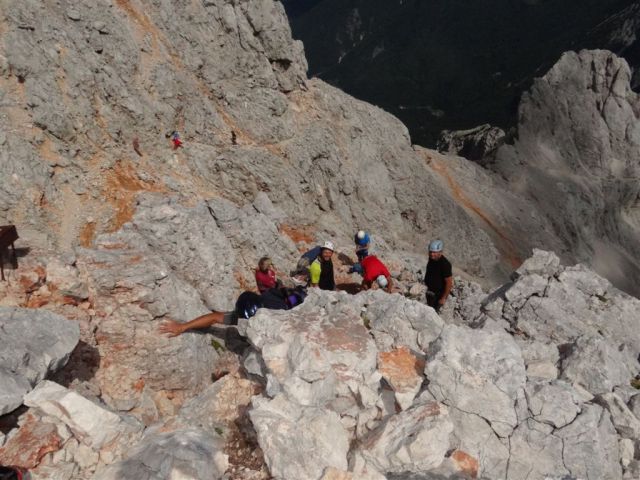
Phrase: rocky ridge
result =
(534, 379)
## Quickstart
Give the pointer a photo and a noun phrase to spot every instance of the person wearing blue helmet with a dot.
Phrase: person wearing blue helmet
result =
(362, 240)
(438, 277)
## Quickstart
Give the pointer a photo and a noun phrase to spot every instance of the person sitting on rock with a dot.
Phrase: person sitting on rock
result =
(438, 277)
(321, 269)
(266, 275)
(247, 305)
(374, 270)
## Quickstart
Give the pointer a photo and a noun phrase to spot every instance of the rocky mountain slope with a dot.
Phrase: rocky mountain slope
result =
(453, 65)
(119, 232)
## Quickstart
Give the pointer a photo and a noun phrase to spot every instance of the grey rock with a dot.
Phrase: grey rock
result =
(473, 435)
(415, 440)
(627, 452)
(394, 322)
(477, 372)
(299, 442)
(590, 445)
(73, 14)
(135, 290)
(535, 452)
(632, 471)
(14, 388)
(540, 358)
(33, 344)
(595, 365)
(626, 423)
(92, 424)
(315, 355)
(474, 144)
(190, 454)
(634, 405)
(554, 403)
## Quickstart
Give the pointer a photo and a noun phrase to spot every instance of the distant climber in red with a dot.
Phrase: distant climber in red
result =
(175, 138)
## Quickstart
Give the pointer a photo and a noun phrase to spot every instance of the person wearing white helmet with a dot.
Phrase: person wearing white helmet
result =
(321, 269)
(438, 277)
(373, 270)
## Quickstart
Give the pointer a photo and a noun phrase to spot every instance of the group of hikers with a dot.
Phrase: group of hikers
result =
(315, 270)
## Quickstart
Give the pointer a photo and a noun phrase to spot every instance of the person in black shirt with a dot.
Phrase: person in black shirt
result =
(438, 277)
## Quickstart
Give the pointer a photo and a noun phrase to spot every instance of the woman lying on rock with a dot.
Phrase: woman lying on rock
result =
(247, 305)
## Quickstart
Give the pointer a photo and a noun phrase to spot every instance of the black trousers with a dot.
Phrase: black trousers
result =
(433, 299)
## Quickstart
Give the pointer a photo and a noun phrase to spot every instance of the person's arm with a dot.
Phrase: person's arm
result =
(173, 328)
(366, 285)
(389, 288)
(448, 285)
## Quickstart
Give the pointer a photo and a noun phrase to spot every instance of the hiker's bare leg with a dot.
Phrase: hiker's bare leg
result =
(173, 328)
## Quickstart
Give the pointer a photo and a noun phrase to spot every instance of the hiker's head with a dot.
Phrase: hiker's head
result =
(382, 281)
(327, 251)
(265, 264)
(435, 249)
(362, 238)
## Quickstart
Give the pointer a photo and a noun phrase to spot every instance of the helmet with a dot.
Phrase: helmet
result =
(328, 246)
(382, 281)
(362, 238)
(436, 246)
(248, 304)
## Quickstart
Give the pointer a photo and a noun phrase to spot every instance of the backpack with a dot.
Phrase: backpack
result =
(283, 298)
(295, 296)
(312, 254)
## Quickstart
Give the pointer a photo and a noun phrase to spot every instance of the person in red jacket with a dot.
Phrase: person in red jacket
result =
(373, 270)
(265, 275)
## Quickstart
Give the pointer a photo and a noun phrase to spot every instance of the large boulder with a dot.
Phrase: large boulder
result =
(188, 454)
(92, 424)
(477, 371)
(297, 441)
(316, 355)
(415, 440)
(474, 144)
(33, 344)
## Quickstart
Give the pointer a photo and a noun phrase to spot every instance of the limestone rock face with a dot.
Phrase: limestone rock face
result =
(591, 325)
(33, 344)
(256, 134)
(478, 372)
(415, 440)
(584, 143)
(186, 454)
(94, 425)
(474, 144)
(127, 232)
(299, 442)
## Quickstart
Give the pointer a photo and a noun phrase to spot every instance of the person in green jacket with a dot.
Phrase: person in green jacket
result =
(321, 269)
